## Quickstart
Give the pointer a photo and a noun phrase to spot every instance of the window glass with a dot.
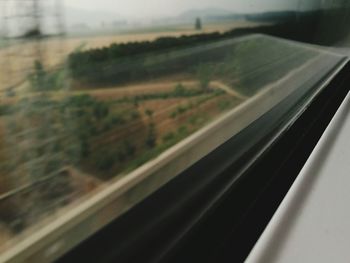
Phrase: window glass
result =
(91, 91)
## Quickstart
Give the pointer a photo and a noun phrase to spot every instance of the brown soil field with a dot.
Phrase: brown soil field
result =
(209, 109)
(161, 108)
(136, 132)
(164, 123)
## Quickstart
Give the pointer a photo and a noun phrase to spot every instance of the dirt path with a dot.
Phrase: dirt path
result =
(154, 88)
(132, 90)
(228, 90)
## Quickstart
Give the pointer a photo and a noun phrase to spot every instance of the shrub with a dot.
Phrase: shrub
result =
(224, 105)
(117, 120)
(151, 139)
(204, 75)
(135, 115)
(42, 80)
(101, 110)
(168, 137)
(179, 90)
(183, 130)
(128, 148)
(173, 115)
(149, 113)
(106, 162)
(181, 109)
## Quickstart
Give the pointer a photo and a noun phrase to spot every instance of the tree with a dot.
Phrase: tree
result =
(204, 75)
(198, 24)
(33, 33)
(128, 148)
(42, 80)
(149, 113)
(151, 140)
(106, 160)
(101, 111)
(38, 78)
(179, 90)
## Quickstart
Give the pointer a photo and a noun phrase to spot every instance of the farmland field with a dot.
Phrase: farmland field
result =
(17, 60)
(66, 135)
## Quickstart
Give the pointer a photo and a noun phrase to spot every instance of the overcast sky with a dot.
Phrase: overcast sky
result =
(155, 8)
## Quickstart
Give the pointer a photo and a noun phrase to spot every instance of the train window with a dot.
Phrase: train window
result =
(104, 102)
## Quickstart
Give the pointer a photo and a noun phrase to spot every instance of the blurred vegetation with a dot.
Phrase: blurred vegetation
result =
(125, 62)
(204, 75)
(42, 80)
